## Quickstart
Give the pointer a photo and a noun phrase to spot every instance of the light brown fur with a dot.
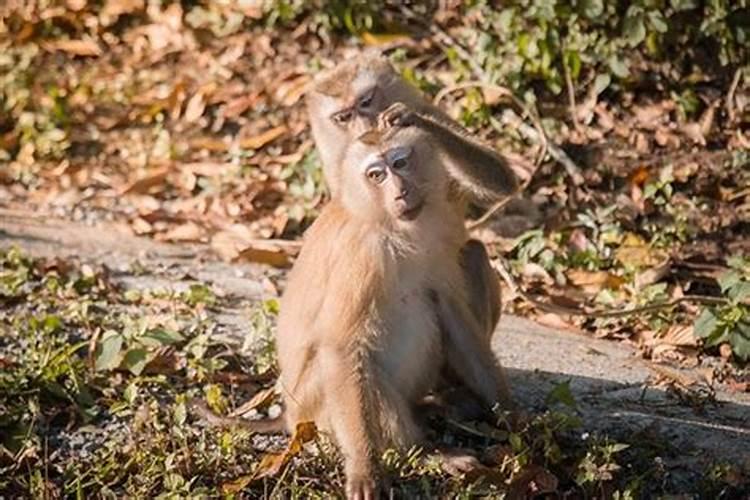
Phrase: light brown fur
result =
(476, 170)
(376, 305)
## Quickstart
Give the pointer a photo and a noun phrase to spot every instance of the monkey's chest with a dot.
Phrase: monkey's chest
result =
(409, 350)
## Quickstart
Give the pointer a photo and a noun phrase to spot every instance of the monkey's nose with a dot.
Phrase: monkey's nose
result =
(403, 193)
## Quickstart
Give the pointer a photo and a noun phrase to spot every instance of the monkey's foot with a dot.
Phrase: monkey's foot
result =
(360, 487)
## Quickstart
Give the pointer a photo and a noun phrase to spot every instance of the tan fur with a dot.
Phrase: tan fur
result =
(476, 169)
(376, 305)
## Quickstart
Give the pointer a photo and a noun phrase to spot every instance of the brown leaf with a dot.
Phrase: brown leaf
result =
(236, 485)
(189, 231)
(725, 350)
(261, 399)
(273, 257)
(75, 5)
(144, 184)
(594, 281)
(141, 226)
(497, 454)
(116, 8)
(237, 244)
(290, 91)
(374, 39)
(209, 144)
(75, 47)
(735, 386)
(555, 321)
(532, 480)
(272, 463)
(195, 108)
(260, 140)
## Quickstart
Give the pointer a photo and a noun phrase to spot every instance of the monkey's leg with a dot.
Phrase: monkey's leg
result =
(482, 285)
(469, 355)
(346, 408)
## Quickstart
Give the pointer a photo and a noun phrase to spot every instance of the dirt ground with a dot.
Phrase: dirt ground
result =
(613, 387)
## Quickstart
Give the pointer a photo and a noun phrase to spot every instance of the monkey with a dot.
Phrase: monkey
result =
(346, 100)
(377, 304)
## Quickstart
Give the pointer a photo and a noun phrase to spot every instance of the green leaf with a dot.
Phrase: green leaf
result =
(619, 67)
(136, 360)
(633, 27)
(130, 393)
(740, 341)
(740, 291)
(656, 20)
(591, 8)
(109, 352)
(729, 279)
(679, 5)
(618, 447)
(573, 62)
(706, 324)
(601, 83)
(161, 336)
(562, 394)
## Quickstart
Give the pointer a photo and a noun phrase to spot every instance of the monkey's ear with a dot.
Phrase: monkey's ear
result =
(371, 137)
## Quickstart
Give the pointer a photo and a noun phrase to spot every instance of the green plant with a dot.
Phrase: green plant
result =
(729, 323)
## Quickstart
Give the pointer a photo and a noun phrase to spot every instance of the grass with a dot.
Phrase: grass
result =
(94, 401)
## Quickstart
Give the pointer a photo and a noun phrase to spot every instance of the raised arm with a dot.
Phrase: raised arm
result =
(479, 169)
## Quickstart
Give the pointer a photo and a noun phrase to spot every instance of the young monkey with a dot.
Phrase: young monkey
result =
(376, 305)
(345, 101)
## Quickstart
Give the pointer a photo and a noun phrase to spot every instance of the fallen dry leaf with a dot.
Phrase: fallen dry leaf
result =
(237, 244)
(289, 92)
(532, 480)
(261, 399)
(260, 140)
(189, 231)
(272, 463)
(145, 183)
(593, 282)
(195, 108)
(76, 47)
(272, 256)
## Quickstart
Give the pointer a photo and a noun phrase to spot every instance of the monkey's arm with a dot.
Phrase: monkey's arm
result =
(469, 353)
(478, 168)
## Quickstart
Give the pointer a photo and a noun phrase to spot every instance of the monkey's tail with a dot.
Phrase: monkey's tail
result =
(262, 426)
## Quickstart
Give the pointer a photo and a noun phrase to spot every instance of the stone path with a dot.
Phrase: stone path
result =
(609, 382)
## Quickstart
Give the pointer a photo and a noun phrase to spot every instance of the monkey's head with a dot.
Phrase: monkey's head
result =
(392, 176)
(344, 102)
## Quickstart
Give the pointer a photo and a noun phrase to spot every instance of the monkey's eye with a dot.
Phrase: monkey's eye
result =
(366, 99)
(398, 158)
(343, 117)
(376, 174)
(400, 163)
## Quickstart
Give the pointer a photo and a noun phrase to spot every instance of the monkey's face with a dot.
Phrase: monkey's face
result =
(344, 102)
(393, 178)
(390, 179)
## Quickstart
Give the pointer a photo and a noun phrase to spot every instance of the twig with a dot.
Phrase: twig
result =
(600, 313)
(556, 152)
(730, 94)
(571, 94)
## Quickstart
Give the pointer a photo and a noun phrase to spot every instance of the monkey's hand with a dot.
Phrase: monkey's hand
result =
(397, 115)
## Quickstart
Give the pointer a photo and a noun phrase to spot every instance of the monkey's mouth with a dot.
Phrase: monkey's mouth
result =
(411, 213)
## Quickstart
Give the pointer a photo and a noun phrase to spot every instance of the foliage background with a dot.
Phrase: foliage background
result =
(185, 122)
